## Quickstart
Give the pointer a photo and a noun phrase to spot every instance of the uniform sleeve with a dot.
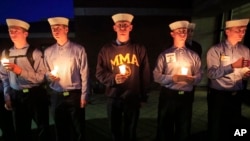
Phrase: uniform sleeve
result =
(103, 74)
(37, 74)
(158, 72)
(214, 69)
(84, 74)
(5, 82)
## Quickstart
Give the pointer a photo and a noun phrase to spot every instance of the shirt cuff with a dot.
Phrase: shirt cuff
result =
(228, 69)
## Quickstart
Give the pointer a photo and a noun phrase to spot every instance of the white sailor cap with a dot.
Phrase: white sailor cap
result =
(191, 26)
(122, 17)
(234, 23)
(58, 20)
(178, 24)
(17, 22)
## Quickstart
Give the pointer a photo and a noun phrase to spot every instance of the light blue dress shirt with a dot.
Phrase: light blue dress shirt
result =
(30, 76)
(171, 62)
(219, 69)
(71, 60)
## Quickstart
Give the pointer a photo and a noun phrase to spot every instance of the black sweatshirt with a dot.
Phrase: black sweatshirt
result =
(134, 56)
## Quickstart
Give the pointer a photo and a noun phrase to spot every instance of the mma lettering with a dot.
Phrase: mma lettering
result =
(127, 59)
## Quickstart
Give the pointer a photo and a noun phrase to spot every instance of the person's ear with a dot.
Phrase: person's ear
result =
(172, 34)
(114, 27)
(227, 31)
(131, 27)
(66, 29)
(26, 33)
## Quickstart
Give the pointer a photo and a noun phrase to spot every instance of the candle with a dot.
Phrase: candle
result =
(184, 71)
(122, 69)
(54, 72)
(4, 60)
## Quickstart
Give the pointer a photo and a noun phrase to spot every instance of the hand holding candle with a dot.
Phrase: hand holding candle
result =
(183, 77)
(54, 74)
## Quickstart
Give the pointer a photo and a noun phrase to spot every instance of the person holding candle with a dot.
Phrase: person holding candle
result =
(226, 72)
(22, 81)
(6, 118)
(177, 70)
(123, 67)
(67, 71)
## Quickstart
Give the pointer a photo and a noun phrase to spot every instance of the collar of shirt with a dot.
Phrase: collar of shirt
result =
(121, 43)
(21, 51)
(24, 47)
(65, 46)
(179, 48)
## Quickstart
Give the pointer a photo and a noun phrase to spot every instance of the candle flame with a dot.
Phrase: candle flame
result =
(184, 71)
(4, 60)
(122, 69)
(54, 72)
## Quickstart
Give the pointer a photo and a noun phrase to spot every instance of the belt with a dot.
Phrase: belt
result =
(27, 90)
(68, 92)
(179, 92)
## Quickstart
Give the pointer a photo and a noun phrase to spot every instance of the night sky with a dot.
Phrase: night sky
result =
(35, 10)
